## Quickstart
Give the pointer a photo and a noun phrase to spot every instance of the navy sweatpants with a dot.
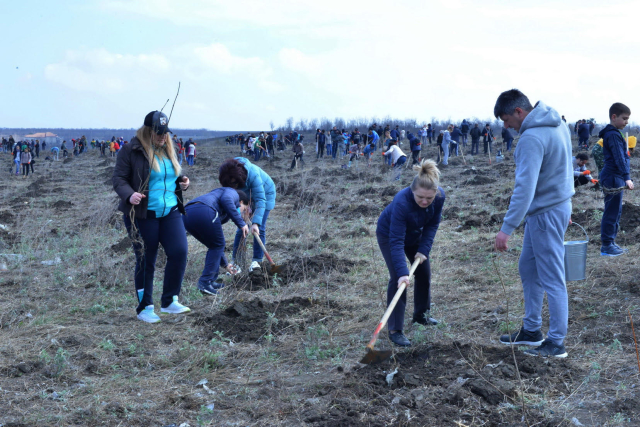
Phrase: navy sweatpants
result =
(612, 208)
(421, 291)
(202, 222)
(169, 232)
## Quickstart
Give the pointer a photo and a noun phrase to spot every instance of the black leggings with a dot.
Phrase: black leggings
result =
(25, 169)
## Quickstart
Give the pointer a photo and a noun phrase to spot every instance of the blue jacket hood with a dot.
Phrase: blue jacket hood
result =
(607, 129)
(541, 116)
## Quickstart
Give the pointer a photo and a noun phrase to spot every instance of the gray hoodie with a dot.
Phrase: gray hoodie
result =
(544, 169)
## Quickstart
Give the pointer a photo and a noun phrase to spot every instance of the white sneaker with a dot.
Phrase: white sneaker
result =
(175, 307)
(255, 266)
(148, 315)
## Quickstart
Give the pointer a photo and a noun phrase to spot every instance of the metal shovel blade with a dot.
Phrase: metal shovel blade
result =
(275, 269)
(373, 357)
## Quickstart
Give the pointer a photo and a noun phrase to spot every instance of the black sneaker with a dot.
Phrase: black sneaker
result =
(548, 349)
(217, 285)
(424, 320)
(399, 339)
(207, 288)
(523, 338)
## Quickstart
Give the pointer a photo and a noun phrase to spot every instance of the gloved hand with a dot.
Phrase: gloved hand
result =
(594, 181)
(587, 172)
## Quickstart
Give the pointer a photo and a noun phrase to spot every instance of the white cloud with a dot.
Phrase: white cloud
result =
(295, 60)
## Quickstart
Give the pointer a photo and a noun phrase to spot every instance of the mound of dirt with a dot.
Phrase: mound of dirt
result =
(67, 160)
(445, 376)
(248, 321)
(389, 191)
(502, 202)
(630, 218)
(122, 245)
(353, 210)
(295, 270)
(62, 205)
(480, 180)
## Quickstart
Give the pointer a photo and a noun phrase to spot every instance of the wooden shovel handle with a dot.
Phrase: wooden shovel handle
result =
(257, 236)
(392, 305)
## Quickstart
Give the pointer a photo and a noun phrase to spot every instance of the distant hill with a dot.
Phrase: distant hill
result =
(105, 134)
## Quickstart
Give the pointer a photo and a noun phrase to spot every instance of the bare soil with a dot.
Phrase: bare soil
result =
(283, 349)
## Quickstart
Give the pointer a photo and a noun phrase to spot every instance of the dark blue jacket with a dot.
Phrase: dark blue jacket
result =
(403, 223)
(429, 131)
(456, 134)
(225, 201)
(464, 127)
(395, 133)
(414, 142)
(322, 138)
(583, 131)
(506, 135)
(614, 150)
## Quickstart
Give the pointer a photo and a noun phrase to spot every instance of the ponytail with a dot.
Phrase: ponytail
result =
(428, 176)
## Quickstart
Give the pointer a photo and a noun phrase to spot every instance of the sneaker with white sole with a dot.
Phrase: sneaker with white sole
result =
(548, 349)
(522, 337)
(207, 288)
(255, 266)
(148, 315)
(175, 307)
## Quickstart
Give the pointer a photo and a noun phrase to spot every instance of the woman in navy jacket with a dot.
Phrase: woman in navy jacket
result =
(203, 219)
(407, 227)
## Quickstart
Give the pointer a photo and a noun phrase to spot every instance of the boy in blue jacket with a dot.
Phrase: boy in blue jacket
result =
(614, 174)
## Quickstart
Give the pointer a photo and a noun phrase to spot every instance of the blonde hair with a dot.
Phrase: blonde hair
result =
(144, 135)
(387, 134)
(450, 128)
(428, 176)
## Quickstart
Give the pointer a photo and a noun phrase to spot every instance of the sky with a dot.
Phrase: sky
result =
(242, 64)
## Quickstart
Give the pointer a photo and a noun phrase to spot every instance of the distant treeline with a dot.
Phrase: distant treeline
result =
(100, 134)
(409, 125)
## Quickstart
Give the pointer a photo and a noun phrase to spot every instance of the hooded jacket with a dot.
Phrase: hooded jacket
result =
(544, 168)
(456, 134)
(403, 223)
(131, 172)
(583, 131)
(464, 127)
(260, 189)
(614, 150)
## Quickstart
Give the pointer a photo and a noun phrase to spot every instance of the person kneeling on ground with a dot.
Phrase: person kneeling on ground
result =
(203, 219)
(581, 175)
(407, 227)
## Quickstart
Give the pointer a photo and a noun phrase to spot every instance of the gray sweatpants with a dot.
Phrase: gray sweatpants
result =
(542, 270)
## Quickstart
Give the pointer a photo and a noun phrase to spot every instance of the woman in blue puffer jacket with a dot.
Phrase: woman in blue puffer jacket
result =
(241, 174)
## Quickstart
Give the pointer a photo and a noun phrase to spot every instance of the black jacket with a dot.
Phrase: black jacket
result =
(475, 133)
(129, 175)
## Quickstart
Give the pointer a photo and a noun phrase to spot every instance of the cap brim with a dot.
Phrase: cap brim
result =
(162, 130)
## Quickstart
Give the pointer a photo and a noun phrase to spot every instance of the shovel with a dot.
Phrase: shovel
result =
(374, 356)
(273, 269)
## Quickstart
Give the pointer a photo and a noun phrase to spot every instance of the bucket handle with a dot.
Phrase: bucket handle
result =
(583, 230)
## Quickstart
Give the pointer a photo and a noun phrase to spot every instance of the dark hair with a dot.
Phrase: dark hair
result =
(232, 174)
(618, 109)
(582, 156)
(510, 100)
(243, 197)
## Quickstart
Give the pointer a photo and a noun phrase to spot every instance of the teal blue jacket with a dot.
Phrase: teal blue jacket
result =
(260, 189)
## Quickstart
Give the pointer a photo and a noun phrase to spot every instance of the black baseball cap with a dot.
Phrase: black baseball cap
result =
(158, 121)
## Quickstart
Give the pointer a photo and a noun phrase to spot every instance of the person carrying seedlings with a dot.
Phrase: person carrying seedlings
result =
(147, 179)
(203, 219)
(614, 174)
(488, 138)
(240, 174)
(582, 175)
(398, 158)
(298, 153)
(407, 227)
(542, 197)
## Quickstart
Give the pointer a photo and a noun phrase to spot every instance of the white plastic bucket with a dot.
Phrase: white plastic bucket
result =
(575, 258)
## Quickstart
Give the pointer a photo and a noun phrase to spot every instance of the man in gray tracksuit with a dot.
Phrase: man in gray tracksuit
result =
(542, 193)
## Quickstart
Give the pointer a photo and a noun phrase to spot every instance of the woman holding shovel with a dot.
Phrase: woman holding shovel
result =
(240, 174)
(407, 227)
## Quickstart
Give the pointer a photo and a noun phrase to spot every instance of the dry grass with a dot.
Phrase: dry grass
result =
(286, 354)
